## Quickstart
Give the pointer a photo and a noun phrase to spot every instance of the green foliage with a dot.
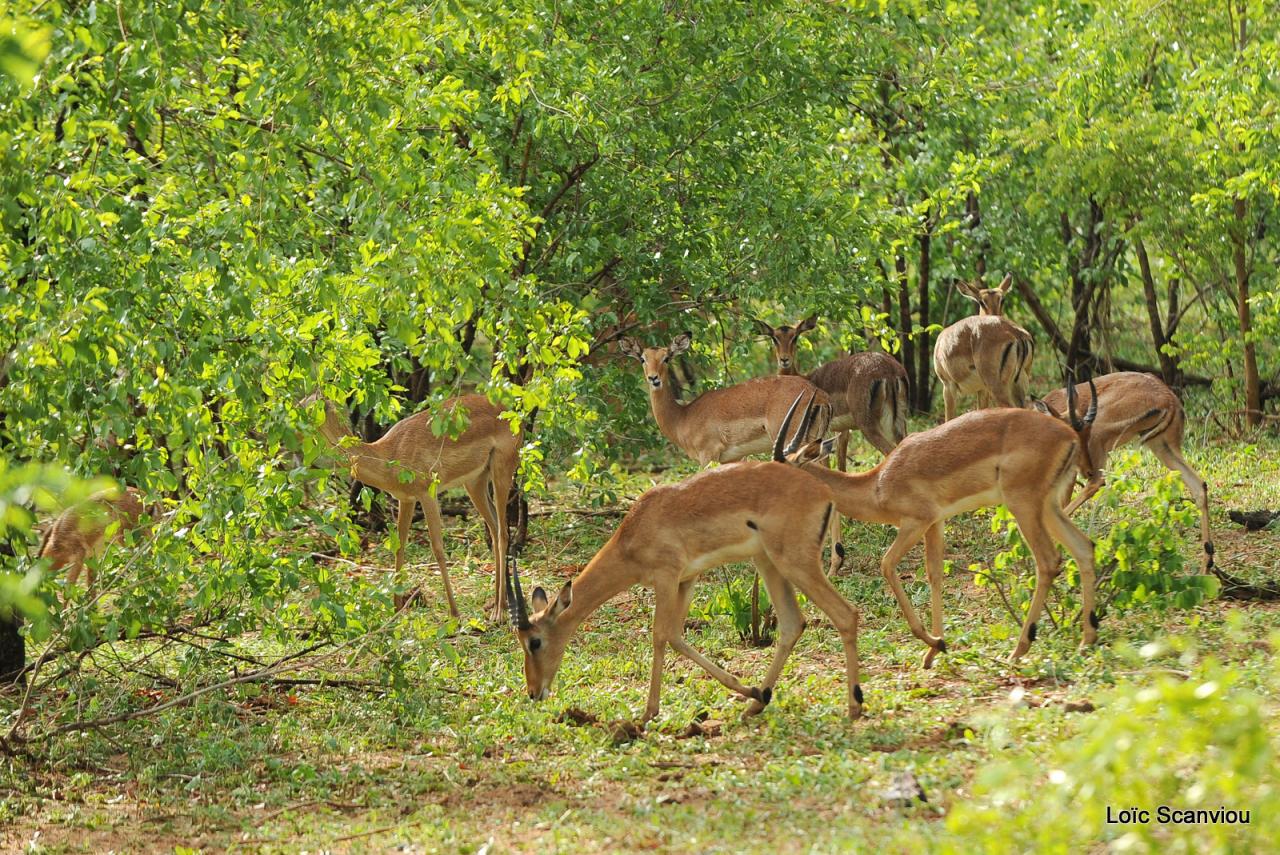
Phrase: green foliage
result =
(23, 44)
(1200, 742)
(1139, 557)
(1141, 553)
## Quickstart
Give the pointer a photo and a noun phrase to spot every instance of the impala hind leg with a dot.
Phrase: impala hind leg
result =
(806, 574)
(502, 473)
(435, 527)
(479, 493)
(908, 536)
(790, 626)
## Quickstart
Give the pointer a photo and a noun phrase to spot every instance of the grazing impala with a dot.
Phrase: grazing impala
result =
(412, 463)
(1137, 406)
(78, 533)
(986, 354)
(868, 390)
(773, 513)
(1022, 459)
(722, 425)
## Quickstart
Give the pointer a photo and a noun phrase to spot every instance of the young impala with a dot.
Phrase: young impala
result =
(79, 532)
(772, 513)
(868, 390)
(986, 354)
(412, 463)
(721, 425)
(868, 393)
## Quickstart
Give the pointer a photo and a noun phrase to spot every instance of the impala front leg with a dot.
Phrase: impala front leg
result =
(404, 522)
(684, 648)
(666, 621)
(934, 545)
(435, 527)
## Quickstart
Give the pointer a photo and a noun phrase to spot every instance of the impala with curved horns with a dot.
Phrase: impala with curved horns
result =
(773, 513)
(1019, 458)
(1139, 407)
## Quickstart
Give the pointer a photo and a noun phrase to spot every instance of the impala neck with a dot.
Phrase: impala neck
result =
(667, 411)
(606, 576)
(365, 461)
(856, 494)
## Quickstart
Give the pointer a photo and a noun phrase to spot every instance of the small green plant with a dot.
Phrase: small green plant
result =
(733, 599)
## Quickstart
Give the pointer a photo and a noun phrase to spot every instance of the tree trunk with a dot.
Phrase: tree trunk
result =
(13, 648)
(1252, 383)
(921, 391)
(974, 213)
(1168, 369)
(904, 316)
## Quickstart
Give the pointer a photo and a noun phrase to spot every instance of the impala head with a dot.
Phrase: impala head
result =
(333, 428)
(784, 340)
(1082, 426)
(656, 359)
(542, 640)
(990, 300)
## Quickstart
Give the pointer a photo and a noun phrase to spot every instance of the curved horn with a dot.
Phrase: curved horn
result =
(1072, 418)
(802, 432)
(1092, 413)
(516, 606)
(779, 455)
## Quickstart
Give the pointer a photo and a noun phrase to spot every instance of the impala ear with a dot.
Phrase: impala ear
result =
(563, 599)
(807, 324)
(1041, 407)
(680, 344)
(629, 347)
(762, 327)
(967, 290)
(1005, 283)
(539, 599)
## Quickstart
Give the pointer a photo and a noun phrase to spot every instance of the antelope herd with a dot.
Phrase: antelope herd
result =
(777, 514)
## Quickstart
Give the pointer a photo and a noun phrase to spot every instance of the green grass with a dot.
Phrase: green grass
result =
(461, 759)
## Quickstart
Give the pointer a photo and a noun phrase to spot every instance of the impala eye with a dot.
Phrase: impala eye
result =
(534, 644)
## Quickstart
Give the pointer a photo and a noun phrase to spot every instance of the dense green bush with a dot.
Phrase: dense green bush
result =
(1204, 740)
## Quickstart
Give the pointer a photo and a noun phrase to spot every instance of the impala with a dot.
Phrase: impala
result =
(1135, 406)
(723, 425)
(412, 463)
(1019, 458)
(726, 424)
(770, 512)
(986, 354)
(868, 391)
(79, 532)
